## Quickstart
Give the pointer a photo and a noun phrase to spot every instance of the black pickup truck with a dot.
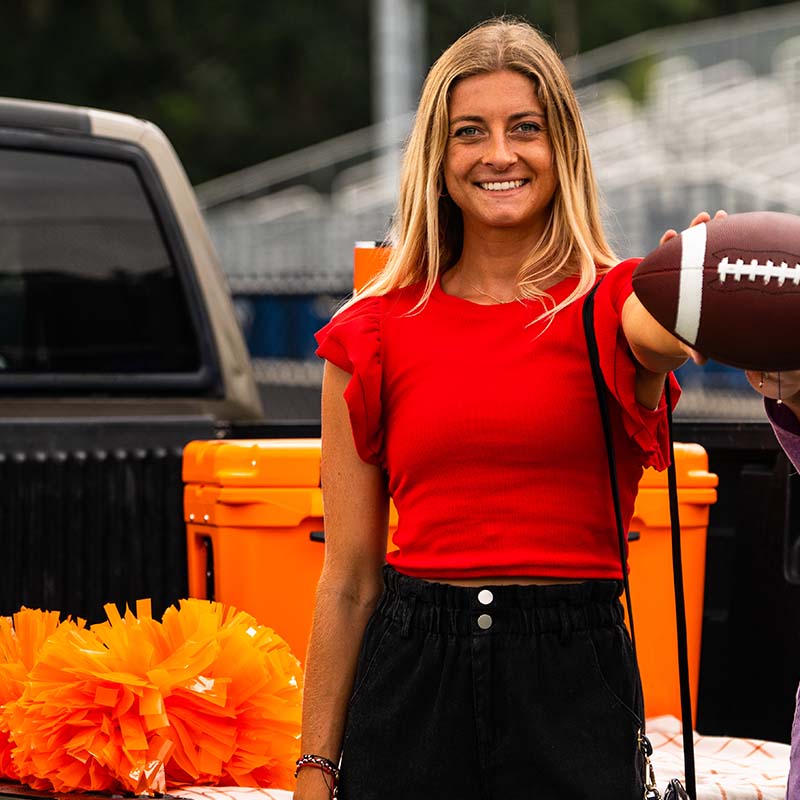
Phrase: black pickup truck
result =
(119, 344)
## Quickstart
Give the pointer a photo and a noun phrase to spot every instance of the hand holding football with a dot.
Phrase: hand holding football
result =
(730, 289)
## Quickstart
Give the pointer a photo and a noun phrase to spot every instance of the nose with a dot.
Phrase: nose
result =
(499, 153)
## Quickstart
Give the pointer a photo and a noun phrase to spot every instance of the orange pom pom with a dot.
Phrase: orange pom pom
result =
(21, 638)
(238, 720)
(206, 696)
(83, 721)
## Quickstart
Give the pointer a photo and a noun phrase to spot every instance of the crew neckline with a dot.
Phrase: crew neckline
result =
(556, 291)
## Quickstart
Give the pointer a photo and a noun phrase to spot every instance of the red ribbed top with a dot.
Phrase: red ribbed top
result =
(489, 430)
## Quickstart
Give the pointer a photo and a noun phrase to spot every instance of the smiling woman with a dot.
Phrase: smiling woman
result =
(485, 655)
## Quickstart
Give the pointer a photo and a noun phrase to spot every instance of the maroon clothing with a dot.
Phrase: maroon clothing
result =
(787, 429)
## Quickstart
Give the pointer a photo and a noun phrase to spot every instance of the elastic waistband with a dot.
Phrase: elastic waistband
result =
(441, 608)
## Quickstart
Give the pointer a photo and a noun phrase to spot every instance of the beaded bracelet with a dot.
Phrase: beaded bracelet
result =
(319, 762)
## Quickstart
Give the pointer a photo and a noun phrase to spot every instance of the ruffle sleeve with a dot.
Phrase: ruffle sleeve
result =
(646, 427)
(352, 341)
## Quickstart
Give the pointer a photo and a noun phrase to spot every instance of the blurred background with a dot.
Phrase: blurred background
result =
(290, 120)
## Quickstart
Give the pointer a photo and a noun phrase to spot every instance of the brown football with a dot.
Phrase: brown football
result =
(730, 288)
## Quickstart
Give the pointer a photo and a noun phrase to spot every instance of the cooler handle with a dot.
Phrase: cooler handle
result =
(207, 545)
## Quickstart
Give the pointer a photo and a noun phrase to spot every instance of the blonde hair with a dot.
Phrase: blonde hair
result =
(427, 230)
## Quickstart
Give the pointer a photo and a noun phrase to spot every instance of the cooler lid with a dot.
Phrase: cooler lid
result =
(252, 462)
(691, 468)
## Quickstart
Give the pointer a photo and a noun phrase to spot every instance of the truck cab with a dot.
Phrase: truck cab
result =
(111, 298)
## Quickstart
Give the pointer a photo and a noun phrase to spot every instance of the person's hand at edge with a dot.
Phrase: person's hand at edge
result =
(781, 386)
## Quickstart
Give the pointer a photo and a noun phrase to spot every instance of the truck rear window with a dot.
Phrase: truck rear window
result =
(87, 284)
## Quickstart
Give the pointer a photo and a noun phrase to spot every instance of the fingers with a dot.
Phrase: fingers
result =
(703, 216)
(698, 358)
(670, 234)
(763, 382)
(777, 385)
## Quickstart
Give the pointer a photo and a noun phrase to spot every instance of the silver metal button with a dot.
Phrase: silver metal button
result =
(484, 622)
(485, 597)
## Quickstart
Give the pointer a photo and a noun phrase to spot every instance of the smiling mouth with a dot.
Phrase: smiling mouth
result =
(502, 186)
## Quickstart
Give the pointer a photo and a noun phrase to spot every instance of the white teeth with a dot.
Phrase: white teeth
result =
(501, 186)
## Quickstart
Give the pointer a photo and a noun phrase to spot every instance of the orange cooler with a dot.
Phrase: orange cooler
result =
(653, 595)
(253, 512)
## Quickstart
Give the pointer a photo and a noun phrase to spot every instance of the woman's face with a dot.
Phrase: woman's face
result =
(498, 164)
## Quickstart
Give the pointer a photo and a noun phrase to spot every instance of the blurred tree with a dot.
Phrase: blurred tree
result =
(233, 83)
(230, 83)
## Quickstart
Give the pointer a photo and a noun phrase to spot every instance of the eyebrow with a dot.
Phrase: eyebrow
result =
(475, 118)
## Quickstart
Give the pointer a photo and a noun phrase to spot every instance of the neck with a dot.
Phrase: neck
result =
(481, 284)
(496, 252)
(490, 260)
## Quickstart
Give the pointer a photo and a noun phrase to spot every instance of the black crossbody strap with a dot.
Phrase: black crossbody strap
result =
(680, 609)
(677, 565)
(602, 402)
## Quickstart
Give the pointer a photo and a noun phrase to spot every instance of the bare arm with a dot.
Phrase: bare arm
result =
(356, 529)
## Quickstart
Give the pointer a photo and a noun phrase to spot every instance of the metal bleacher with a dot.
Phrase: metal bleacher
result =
(717, 128)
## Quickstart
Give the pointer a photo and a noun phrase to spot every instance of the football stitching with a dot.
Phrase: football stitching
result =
(753, 269)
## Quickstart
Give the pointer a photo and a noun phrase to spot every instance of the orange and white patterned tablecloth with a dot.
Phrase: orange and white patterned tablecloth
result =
(230, 793)
(727, 769)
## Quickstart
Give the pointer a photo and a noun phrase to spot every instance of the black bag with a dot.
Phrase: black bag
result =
(675, 790)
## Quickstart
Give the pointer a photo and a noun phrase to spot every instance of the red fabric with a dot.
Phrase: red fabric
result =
(489, 430)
